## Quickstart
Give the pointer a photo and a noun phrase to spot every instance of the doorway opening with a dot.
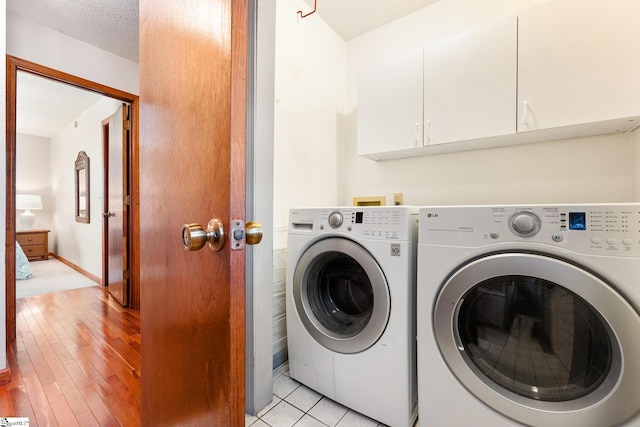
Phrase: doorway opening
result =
(14, 65)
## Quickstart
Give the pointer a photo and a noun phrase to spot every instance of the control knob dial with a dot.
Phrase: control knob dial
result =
(525, 224)
(335, 219)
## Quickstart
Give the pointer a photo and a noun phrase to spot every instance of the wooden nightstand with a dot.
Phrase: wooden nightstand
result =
(34, 243)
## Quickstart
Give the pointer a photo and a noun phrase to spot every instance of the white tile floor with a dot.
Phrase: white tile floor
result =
(296, 405)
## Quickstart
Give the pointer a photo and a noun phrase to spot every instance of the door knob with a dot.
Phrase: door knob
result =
(108, 214)
(194, 236)
(249, 233)
(254, 233)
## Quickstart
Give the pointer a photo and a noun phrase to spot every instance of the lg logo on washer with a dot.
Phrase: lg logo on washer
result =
(395, 249)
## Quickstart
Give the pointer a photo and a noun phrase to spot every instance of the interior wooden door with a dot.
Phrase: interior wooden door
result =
(192, 169)
(116, 216)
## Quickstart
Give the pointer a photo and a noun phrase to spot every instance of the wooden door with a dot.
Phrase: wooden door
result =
(116, 217)
(192, 168)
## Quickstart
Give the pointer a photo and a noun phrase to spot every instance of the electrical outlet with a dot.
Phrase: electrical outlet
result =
(397, 199)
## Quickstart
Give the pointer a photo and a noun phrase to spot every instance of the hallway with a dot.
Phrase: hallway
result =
(75, 361)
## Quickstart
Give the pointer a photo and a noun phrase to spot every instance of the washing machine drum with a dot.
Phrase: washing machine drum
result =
(341, 295)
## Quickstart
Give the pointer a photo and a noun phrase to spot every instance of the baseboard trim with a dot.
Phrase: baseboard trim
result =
(5, 376)
(85, 273)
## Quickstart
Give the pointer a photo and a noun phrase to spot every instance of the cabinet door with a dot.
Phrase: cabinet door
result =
(470, 84)
(390, 105)
(578, 63)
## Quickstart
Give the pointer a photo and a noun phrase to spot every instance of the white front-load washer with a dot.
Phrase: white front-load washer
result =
(529, 315)
(351, 307)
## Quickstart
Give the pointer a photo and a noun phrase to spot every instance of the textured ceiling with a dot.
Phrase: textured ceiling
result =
(111, 25)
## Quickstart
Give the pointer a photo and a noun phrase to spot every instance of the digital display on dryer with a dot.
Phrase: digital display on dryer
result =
(359, 216)
(577, 221)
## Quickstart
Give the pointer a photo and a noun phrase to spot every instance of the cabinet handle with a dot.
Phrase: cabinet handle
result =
(416, 133)
(524, 114)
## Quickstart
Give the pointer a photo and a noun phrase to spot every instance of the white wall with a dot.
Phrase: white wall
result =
(315, 132)
(636, 171)
(80, 243)
(310, 90)
(44, 46)
(33, 176)
(593, 169)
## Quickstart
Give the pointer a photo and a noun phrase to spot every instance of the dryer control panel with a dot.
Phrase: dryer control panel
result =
(382, 222)
(598, 229)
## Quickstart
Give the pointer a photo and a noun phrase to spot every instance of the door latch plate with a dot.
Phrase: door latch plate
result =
(237, 234)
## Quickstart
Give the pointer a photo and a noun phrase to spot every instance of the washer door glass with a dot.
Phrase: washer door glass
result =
(534, 337)
(341, 295)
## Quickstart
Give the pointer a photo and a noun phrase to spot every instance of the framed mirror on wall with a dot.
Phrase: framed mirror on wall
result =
(82, 188)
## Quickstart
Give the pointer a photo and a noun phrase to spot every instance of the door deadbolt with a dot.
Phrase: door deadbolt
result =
(194, 236)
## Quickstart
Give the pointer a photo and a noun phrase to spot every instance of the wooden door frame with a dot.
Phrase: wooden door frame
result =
(238, 205)
(14, 65)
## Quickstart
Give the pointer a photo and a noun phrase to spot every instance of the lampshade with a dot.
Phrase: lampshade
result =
(28, 202)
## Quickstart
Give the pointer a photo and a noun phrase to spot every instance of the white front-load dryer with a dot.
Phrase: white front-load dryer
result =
(528, 315)
(351, 307)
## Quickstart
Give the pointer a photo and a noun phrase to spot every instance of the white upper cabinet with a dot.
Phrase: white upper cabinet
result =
(470, 84)
(579, 63)
(390, 106)
(562, 69)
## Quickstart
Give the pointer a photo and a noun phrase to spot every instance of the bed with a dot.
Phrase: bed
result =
(23, 268)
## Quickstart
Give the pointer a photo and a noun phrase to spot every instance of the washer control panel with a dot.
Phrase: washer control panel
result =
(380, 222)
(601, 229)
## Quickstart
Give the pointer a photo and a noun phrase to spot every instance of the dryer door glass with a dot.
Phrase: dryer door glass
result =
(535, 338)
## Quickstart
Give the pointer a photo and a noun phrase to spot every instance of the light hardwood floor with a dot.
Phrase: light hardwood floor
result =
(75, 361)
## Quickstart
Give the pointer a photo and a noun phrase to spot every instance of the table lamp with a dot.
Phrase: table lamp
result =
(28, 203)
